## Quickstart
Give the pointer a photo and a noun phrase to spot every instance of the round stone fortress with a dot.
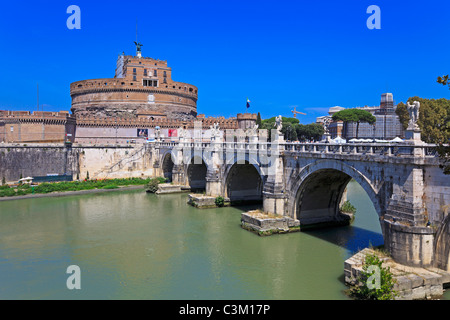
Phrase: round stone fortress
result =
(141, 87)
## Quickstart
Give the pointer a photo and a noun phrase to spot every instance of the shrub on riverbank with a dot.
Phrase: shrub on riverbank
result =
(375, 282)
(347, 207)
(46, 187)
(152, 185)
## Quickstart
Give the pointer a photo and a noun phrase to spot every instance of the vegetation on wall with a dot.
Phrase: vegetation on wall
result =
(367, 288)
(219, 201)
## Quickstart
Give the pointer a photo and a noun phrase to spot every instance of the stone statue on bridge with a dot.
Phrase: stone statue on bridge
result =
(215, 130)
(253, 131)
(413, 115)
(157, 133)
(326, 124)
(182, 133)
(279, 124)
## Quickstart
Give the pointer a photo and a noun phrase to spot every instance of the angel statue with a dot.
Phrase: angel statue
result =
(138, 46)
(278, 124)
(253, 130)
(215, 132)
(413, 114)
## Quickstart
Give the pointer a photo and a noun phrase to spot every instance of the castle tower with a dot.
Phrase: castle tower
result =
(141, 85)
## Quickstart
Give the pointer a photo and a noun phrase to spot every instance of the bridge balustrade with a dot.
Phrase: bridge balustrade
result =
(398, 150)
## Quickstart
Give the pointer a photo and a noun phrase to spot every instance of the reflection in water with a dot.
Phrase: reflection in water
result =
(133, 245)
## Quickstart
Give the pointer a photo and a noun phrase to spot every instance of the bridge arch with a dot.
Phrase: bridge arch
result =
(318, 190)
(167, 165)
(243, 182)
(196, 172)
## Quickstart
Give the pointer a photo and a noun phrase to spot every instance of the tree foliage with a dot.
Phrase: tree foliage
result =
(293, 130)
(402, 114)
(312, 131)
(434, 123)
(444, 80)
(258, 120)
(434, 119)
(354, 115)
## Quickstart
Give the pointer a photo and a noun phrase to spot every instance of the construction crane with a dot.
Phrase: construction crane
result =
(295, 112)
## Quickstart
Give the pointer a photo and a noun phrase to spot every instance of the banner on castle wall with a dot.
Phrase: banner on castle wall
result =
(172, 132)
(142, 133)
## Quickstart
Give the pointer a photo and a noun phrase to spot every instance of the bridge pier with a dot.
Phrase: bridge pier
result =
(274, 195)
(409, 245)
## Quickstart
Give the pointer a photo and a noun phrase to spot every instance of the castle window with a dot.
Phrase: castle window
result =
(164, 80)
(155, 73)
(134, 78)
(190, 89)
(145, 72)
(134, 70)
(165, 74)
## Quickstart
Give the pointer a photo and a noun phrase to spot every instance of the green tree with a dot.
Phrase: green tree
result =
(354, 115)
(3, 181)
(444, 148)
(402, 114)
(289, 125)
(289, 131)
(312, 131)
(434, 119)
(258, 120)
(444, 80)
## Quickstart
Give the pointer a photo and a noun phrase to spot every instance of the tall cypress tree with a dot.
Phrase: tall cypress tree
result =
(258, 120)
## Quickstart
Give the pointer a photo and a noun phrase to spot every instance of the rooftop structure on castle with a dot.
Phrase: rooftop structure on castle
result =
(141, 86)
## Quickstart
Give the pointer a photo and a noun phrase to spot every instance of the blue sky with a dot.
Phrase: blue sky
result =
(279, 54)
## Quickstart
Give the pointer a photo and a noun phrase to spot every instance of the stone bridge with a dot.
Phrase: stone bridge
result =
(307, 182)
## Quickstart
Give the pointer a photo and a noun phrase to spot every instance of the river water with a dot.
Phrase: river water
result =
(133, 245)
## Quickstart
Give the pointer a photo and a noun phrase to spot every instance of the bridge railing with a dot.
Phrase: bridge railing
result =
(386, 149)
(425, 150)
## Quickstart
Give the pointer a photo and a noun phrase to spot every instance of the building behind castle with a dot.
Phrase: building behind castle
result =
(386, 127)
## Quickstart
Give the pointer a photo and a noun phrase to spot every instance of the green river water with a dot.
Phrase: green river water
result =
(133, 245)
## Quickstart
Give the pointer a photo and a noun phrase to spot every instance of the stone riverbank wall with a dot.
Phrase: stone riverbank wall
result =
(101, 162)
